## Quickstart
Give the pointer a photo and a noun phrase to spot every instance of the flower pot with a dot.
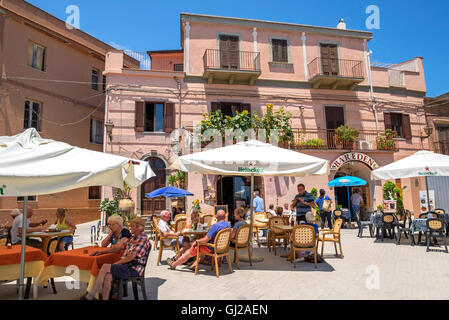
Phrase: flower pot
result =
(126, 206)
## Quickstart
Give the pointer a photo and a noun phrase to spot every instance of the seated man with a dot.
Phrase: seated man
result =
(239, 216)
(165, 230)
(132, 263)
(16, 229)
(210, 237)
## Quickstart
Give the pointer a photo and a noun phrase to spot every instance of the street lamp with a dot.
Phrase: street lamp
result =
(428, 131)
(109, 126)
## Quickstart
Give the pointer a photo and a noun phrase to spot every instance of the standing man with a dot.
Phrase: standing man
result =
(303, 202)
(356, 201)
(259, 206)
(325, 213)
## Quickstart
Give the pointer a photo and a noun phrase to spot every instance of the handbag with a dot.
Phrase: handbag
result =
(327, 205)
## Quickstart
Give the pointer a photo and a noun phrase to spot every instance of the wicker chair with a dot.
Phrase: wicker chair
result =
(162, 246)
(180, 224)
(435, 227)
(259, 226)
(241, 242)
(5, 237)
(221, 249)
(155, 231)
(179, 216)
(336, 237)
(207, 218)
(303, 238)
(275, 234)
(388, 223)
(3, 242)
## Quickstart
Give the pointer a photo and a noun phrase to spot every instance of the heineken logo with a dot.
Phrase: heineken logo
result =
(1, 189)
(248, 169)
(427, 172)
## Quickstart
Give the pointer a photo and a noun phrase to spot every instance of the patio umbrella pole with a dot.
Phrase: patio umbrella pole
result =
(22, 254)
(428, 198)
(349, 204)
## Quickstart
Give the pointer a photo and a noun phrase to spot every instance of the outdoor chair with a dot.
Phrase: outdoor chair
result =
(338, 214)
(136, 281)
(180, 224)
(155, 231)
(303, 238)
(388, 224)
(363, 225)
(162, 246)
(179, 216)
(3, 241)
(259, 226)
(275, 234)
(207, 218)
(336, 237)
(221, 249)
(404, 227)
(241, 242)
(435, 227)
(6, 237)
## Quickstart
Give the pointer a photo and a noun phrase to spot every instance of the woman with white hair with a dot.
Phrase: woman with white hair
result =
(118, 236)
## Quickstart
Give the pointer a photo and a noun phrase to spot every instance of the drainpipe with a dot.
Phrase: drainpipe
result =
(103, 190)
(370, 80)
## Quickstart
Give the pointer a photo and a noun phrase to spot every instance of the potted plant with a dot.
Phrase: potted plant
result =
(125, 203)
(386, 141)
(379, 208)
(345, 136)
(180, 178)
(196, 205)
(109, 207)
(171, 180)
(316, 143)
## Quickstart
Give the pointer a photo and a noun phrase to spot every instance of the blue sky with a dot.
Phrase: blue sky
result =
(407, 28)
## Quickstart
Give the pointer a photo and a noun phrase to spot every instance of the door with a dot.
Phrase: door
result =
(152, 205)
(329, 59)
(334, 118)
(229, 52)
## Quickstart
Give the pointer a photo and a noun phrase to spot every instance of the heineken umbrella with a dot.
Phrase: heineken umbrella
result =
(31, 165)
(420, 164)
(347, 181)
(253, 158)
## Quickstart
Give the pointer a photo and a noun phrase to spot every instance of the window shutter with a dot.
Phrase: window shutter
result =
(279, 50)
(140, 116)
(387, 120)
(406, 128)
(214, 106)
(169, 117)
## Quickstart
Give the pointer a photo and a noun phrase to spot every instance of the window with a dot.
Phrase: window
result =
(95, 73)
(104, 84)
(32, 115)
(230, 108)
(399, 123)
(94, 193)
(178, 67)
(154, 117)
(279, 50)
(96, 131)
(30, 198)
(36, 56)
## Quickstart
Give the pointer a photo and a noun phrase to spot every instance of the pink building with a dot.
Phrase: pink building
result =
(322, 76)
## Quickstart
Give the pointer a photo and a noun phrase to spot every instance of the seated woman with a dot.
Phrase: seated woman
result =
(191, 223)
(117, 237)
(63, 223)
(239, 216)
(132, 263)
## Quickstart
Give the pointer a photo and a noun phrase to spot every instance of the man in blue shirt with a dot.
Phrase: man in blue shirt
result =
(210, 237)
(258, 203)
(303, 203)
(325, 215)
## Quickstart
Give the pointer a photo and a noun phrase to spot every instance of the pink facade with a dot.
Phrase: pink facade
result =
(300, 83)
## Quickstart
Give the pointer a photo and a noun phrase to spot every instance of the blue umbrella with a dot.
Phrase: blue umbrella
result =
(347, 181)
(169, 192)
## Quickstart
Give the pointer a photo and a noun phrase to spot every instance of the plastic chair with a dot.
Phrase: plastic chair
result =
(336, 237)
(435, 227)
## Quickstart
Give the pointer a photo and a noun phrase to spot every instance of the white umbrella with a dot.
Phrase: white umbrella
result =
(252, 158)
(420, 164)
(30, 165)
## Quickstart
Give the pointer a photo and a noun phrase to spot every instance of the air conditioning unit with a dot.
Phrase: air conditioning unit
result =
(365, 145)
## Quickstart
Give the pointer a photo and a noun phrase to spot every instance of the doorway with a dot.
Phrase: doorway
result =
(229, 52)
(335, 117)
(152, 205)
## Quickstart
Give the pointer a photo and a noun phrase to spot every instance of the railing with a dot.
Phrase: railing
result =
(231, 60)
(327, 139)
(335, 67)
(441, 147)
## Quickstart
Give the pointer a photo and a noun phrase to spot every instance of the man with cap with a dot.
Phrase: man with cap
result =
(132, 263)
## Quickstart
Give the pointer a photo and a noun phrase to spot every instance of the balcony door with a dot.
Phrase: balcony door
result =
(329, 59)
(229, 52)
(335, 117)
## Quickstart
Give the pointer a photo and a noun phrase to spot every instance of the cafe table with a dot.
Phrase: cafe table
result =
(88, 266)
(288, 229)
(46, 236)
(10, 263)
(196, 233)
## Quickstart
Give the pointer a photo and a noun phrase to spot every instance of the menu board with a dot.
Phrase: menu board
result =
(424, 206)
(390, 206)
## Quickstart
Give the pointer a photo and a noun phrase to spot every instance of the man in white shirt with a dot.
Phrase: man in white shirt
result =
(16, 229)
(356, 202)
(165, 229)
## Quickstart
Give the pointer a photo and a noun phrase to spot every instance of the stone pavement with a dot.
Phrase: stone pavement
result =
(369, 270)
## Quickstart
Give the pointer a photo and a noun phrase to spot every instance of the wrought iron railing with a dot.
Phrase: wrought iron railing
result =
(335, 67)
(231, 60)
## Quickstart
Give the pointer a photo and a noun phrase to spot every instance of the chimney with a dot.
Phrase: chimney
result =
(341, 24)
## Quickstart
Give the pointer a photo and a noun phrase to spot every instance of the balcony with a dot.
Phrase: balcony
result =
(323, 139)
(441, 147)
(231, 67)
(335, 73)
